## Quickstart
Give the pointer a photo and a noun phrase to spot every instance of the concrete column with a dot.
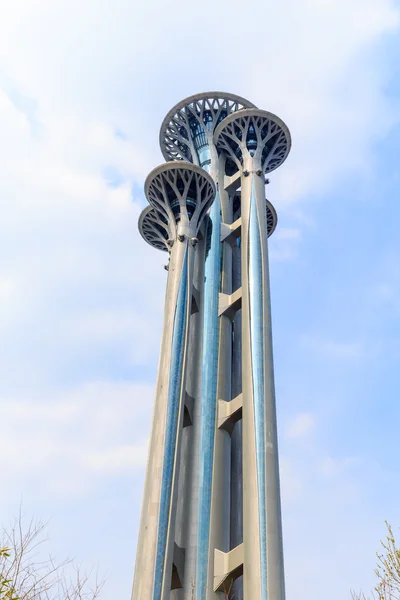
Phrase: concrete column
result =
(187, 517)
(171, 540)
(209, 387)
(262, 532)
(236, 437)
(148, 532)
(220, 499)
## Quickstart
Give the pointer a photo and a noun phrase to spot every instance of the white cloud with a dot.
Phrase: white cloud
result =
(300, 426)
(284, 243)
(333, 467)
(287, 233)
(75, 437)
(116, 459)
(292, 482)
(73, 276)
(72, 79)
(334, 349)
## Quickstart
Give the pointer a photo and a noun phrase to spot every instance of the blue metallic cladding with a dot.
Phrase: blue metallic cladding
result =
(209, 392)
(257, 356)
(201, 143)
(174, 396)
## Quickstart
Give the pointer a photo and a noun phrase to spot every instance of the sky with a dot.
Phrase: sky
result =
(84, 87)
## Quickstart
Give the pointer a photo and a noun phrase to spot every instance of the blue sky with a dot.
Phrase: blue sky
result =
(83, 90)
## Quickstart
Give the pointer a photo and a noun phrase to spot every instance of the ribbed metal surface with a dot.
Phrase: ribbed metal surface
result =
(209, 391)
(175, 398)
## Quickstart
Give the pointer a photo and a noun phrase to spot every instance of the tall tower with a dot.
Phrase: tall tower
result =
(211, 518)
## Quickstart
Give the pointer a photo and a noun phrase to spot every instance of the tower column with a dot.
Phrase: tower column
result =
(236, 437)
(221, 468)
(179, 196)
(168, 376)
(257, 142)
(262, 533)
(209, 387)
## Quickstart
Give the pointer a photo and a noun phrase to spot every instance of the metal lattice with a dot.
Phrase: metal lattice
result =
(181, 194)
(255, 133)
(272, 218)
(191, 123)
(153, 228)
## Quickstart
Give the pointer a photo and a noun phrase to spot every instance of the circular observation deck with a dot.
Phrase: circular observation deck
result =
(272, 217)
(181, 193)
(153, 228)
(255, 134)
(187, 130)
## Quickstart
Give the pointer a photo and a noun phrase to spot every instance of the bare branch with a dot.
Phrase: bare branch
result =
(25, 574)
(387, 571)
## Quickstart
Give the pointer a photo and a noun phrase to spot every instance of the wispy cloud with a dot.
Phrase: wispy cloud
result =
(284, 245)
(331, 467)
(334, 349)
(300, 426)
(79, 436)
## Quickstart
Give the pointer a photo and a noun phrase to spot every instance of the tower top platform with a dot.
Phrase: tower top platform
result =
(254, 134)
(181, 193)
(153, 229)
(189, 126)
(272, 218)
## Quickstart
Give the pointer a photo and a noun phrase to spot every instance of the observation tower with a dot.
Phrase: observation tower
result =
(211, 518)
